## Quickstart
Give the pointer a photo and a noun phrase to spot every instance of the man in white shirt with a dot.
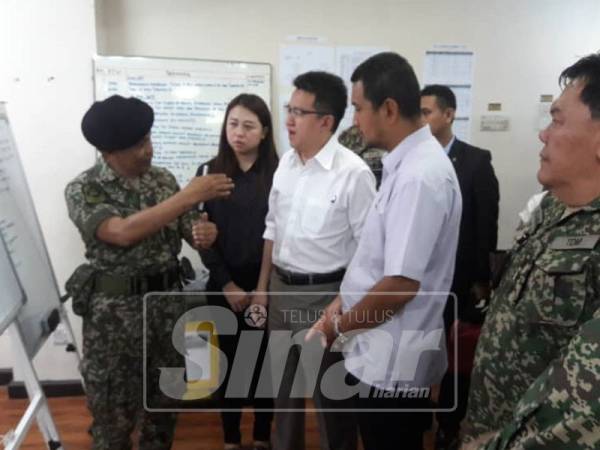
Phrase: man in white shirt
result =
(317, 206)
(394, 291)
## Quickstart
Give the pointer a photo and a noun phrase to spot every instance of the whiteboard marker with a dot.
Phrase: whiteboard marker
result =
(204, 172)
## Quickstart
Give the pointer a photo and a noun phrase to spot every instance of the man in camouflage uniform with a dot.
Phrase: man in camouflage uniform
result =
(352, 138)
(536, 381)
(132, 217)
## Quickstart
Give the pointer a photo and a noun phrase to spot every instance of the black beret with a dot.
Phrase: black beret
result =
(117, 123)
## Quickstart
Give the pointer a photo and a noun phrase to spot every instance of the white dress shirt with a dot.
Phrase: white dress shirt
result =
(317, 209)
(449, 145)
(411, 231)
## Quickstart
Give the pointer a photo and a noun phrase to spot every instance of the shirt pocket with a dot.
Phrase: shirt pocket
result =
(322, 215)
(561, 290)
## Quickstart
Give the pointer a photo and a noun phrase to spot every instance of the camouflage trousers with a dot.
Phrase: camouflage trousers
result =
(112, 369)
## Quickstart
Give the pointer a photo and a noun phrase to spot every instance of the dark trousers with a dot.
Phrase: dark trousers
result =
(459, 365)
(383, 430)
(450, 421)
(231, 420)
(263, 414)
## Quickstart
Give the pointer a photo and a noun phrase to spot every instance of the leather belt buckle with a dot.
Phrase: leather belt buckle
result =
(308, 278)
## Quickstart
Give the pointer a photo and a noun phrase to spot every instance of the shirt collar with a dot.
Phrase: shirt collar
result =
(327, 153)
(106, 172)
(147, 177)
(552, 200)
(324, 156)
(393, 159)
(593, 206)
(449, 145)
(556, 210)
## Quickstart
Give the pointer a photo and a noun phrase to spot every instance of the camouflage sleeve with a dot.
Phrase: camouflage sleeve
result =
(87, 207)
(561, 409)
(352, 138)
(187, 219)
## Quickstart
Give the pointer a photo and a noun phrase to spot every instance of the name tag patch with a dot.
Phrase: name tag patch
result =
(575, 242)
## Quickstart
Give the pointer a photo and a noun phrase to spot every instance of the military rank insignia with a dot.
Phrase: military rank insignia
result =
(93, 194)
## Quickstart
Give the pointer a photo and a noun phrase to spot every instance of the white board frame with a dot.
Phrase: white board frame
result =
(40, 286)
(12, 296)
(189, 97)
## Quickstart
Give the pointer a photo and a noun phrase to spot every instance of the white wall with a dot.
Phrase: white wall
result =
(45, 78)
(520, 47)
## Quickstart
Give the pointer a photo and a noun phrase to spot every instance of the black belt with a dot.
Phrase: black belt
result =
(295, 278)
(136, 285)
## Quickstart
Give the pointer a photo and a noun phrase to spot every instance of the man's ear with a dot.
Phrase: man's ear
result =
(390, 109)
(597, 145)
(449, 114)
(327, 122)
(595, 138)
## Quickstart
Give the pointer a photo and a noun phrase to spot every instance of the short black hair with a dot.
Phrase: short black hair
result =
(331, 95)
(389, 75)
(587, 70)
(444, 97)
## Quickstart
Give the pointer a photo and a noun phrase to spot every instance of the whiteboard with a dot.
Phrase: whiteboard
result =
(21, 231)
(11, 295)
(189, 98)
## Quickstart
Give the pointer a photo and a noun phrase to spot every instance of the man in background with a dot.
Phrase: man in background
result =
(477, 240)
(536, 378)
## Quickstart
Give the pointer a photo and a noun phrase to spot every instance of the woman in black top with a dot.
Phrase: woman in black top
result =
(247, 155)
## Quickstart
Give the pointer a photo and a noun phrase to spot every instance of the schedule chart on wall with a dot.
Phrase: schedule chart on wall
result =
(295, 59)
(189, 98)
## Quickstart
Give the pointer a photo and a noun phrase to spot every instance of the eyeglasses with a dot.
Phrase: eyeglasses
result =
(299, 112)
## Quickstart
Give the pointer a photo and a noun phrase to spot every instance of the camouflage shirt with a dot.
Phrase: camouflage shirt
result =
(536, 380)
(352, 138)
(100, 193)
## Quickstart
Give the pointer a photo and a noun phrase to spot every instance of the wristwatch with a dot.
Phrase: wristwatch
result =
(340, 337)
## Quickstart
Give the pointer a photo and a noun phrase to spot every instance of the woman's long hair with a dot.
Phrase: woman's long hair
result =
(267, 160)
